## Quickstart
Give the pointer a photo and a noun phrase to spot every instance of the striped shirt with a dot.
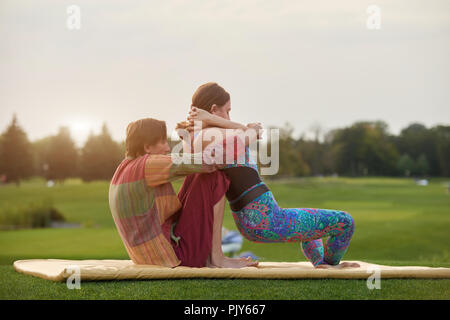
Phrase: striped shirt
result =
(143, 202)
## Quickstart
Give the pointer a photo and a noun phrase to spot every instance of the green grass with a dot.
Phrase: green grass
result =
(396, 223)
(18, 286)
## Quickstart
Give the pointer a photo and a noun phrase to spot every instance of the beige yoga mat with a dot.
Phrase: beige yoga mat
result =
(60, 270)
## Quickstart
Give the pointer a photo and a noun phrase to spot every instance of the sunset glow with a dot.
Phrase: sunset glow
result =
(81, 128)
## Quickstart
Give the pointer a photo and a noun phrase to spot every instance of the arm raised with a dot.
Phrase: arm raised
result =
(211, 120)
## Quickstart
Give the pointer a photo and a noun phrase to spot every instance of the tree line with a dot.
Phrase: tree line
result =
(365, 148)
(57, 157)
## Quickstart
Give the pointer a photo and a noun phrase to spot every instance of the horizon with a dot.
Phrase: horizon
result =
(80, 142)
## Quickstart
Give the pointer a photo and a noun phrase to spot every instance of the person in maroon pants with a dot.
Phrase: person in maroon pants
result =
(196, 234)
(192, 238)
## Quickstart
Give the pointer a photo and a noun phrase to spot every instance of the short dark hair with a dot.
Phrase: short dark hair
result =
(143, 132)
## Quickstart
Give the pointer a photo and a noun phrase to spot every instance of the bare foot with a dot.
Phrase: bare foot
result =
(350, 265)
(247, 260)
(323, 266)
(339, 266)
(227, 262)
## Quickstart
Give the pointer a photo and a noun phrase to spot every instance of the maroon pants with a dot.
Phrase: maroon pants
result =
(198, 195)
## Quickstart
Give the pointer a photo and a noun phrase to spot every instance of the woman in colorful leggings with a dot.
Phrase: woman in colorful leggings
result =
(255, 210)
(262, 220)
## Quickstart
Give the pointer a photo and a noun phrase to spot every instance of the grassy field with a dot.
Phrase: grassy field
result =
(396, 222)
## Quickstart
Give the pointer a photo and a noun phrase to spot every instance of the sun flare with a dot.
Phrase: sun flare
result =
(80, 129)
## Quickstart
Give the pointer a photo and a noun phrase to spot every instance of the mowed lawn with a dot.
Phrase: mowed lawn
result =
(396, 222)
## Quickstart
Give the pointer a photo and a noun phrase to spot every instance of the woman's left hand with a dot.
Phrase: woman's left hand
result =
(197, 114)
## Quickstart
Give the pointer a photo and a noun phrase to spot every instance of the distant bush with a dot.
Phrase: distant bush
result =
(34, 215)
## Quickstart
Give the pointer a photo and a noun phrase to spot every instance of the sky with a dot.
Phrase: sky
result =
(307, 63)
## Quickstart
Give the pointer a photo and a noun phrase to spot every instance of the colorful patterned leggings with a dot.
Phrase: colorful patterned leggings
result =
(262, 220)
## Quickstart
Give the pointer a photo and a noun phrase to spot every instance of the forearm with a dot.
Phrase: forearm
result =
(188, 163)
(216, 121)
(160, 169)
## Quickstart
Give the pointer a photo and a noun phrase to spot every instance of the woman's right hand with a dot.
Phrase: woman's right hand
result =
(257, 127)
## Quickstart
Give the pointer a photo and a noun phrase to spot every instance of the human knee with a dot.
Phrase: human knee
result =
(348, 221)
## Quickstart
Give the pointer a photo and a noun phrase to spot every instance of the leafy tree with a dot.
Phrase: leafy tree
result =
(40, 156)
(421, 166)
(365, 148)
(61, 156)
(291, 160)
(100, 156)
(123, 148)
(415, 140)
(442, 145)
(313, 153)
(16, 160)
(406, 165)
